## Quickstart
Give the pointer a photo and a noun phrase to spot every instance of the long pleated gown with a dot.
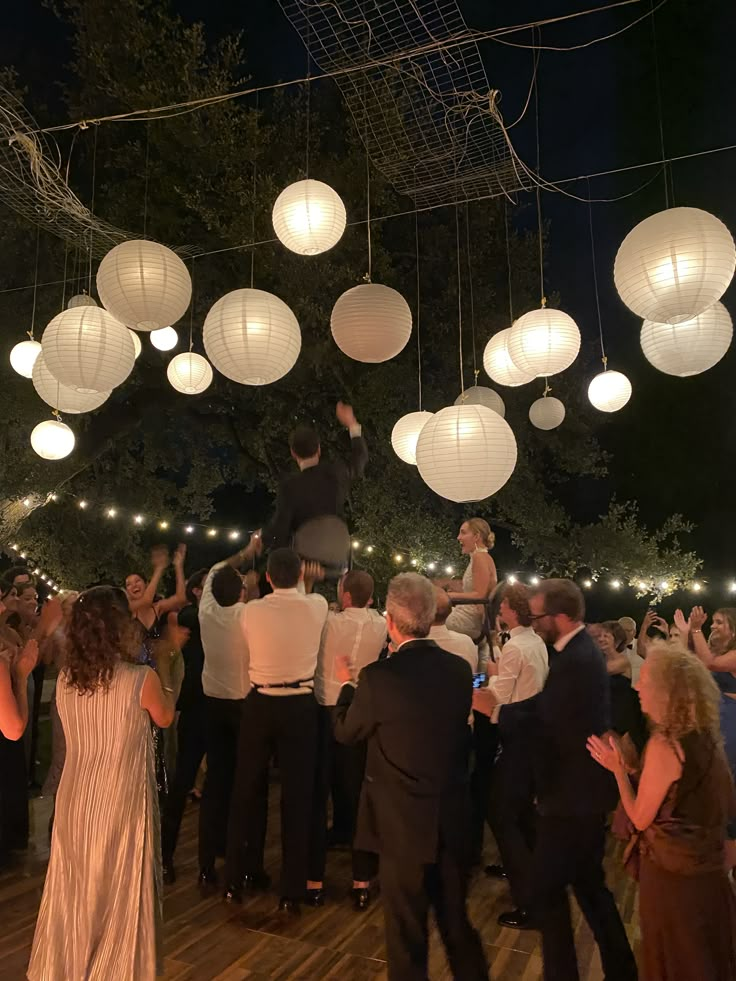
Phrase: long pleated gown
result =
(100, 916)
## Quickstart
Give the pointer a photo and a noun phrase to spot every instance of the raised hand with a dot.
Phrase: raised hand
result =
(345, 415)
(179, 555)
(606, 752)
(160, 557)
(681, 623)
(26, 661)
(50, 617)
(647, 621)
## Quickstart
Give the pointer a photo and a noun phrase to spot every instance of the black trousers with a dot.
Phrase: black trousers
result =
(408, 891)
(221, 729)
(485, 746)
(13, 795)
(190, 749)
(569, 852)
(285, 726)
(512, 817)
(39, 673)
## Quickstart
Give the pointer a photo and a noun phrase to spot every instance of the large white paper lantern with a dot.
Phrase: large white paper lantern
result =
(547, 413)
(405, 434)
(88, 349)
(136, 342)
(478, 395)
(23, 357)
(62, 397)
(189, 373)
(52, 440)
(466, 452)
(498, 364)
(544, 342)
(309, 217)
(371, 323)
(674, 265)
(144, 284)
(690, 347)
(81, 300)
(252, 337)
(609, 391)
(164, 339)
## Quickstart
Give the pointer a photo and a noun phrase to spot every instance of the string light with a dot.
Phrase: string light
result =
(188, 530)
(163, 525)
(111, 512)
(398, 559)
(37, 571)
(212, 532)
(53, 497)
(234, 535)
(369, 549)
(43, 576)
(356, 544)
(511, 580)
(587, 583)
(534, 581)
(616, 584)
(732, 587)
(83, 505)
(697, 587)
(449, 570)
(413, 561)
(664, 586)
(27, 502)
(22, 555)
(431, 566)
(642, 585)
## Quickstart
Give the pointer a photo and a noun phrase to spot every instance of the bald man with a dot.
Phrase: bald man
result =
(451, 640)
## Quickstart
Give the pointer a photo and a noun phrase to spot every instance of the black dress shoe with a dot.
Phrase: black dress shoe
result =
(256, 882)
(315, 897)
(169, 873)
(207, 878)
(233, 894)
(518, 919)
(361, 899)
(496, 872)
(290, 906)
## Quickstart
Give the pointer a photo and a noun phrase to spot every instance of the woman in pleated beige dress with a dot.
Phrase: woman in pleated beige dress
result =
(100, 915)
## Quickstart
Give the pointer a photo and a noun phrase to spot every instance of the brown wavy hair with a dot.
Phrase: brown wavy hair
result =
(692, 696)
(100, 633)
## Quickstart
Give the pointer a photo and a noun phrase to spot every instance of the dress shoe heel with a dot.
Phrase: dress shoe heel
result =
(233, 894)
(361, 899)
(169, 873)
(315, 897)
(496, 872)
(289, 906)
(207, 878)
(518, 919)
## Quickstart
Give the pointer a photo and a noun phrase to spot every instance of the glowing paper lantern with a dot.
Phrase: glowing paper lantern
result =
(144, 284)
(309, 217)
(544, 342)
(87, 349)
(466, 452)
(690, 347)
(674, 265)
(23, 357)
(498, 364)
(405, 434)
(189, 373)
(609, 391)
(164, 339)
(547, 413)
(252, 337)
(52, 440)
(371, 323)
(136, 342)
(62, 397)
(81, 300)
(478, 395)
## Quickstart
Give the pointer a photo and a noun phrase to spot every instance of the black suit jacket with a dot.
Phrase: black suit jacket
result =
(574, 704)
(413, 709)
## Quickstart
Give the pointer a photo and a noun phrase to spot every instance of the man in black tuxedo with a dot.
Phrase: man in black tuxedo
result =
(573, 794)
(414, 811)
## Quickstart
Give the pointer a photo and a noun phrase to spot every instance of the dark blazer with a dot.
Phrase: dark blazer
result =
(413, 709)
(574, 704)
(312, 493)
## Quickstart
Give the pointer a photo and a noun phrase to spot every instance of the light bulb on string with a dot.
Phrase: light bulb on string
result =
(616, 584)
(234, 535)
(111, 512)
(188, 530)
(449, 570)
(138, 519)
(163, 525)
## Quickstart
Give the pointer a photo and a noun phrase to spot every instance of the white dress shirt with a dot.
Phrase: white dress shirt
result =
(225, 671)
(635, 660)
(522, 669)
(357, 633)
(455, 643)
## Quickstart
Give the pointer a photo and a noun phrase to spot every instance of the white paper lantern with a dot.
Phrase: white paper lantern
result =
(136, 342)
(189, 373)
(23, 357)
(498, 364)
(690, 347)
(371, 323)
(547, 413)
(544, 342)
(165, 339)
(52, 440)
(144, 284)
(405, 434)
(62, 397)
(81, 300)
(609, 391)
(466, 452)
(88, 349)
(309, 217)
(674, 265)
(252, 337)
(478, 395)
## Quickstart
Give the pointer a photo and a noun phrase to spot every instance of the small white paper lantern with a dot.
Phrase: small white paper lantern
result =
(609, 391)
(189, 373)
(144, 284)
(498, 364)
(62, 397)
(309, 217)
(88, 349)
(52, 440)
(371, 323)
(544, 342)
(466, 452)
(547, 413)
(23, 357)
(478, 395)
(405, 434)
(136, 343)
(164, 339)
(81, 300)
(691, 347)
(674, 265)
(252, 337)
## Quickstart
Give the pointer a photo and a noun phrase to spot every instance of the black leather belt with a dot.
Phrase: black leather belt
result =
(287, 684)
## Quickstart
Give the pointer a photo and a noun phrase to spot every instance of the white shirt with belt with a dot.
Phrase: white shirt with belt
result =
(522, 668)
(357, 633)
(225, 671)
(635, 660)
(456, 643)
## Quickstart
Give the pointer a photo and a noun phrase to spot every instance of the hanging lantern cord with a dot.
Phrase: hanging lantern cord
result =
(508, 258)
(253, 203)
(191, 310)
(368, 214)
(470, 288)
(539, 197)
(595, 277)
(459, 297)
(35, 283)
(309, 92)
(547, 389)
(419, 343)
(92, 205)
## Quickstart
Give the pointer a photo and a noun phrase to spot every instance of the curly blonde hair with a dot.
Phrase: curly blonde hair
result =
(692, 699)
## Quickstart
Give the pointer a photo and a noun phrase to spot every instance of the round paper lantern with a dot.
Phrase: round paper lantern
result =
(466, 452)
(309, 217)
(547, 413)
(23, 357)
(405, 434)
(52, 440)
(609, 391)
(136, 342)
(144, 284)
(498, 364)
(81, 300)
(371, 323)
(164, 339)
(88, 349)
(544, 342)
(252, 337)
(690, 347)
(189, 373)
(62, 397)
(478, 395)
(674, 265)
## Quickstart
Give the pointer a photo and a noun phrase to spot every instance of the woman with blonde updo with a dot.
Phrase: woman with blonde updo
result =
(479, 581)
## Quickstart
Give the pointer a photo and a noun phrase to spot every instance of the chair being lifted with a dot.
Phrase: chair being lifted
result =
(325, 540)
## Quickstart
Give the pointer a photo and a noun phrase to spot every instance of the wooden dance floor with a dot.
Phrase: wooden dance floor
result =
(206, 940)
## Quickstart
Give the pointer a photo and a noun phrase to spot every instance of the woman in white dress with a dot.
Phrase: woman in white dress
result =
(479, 581)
